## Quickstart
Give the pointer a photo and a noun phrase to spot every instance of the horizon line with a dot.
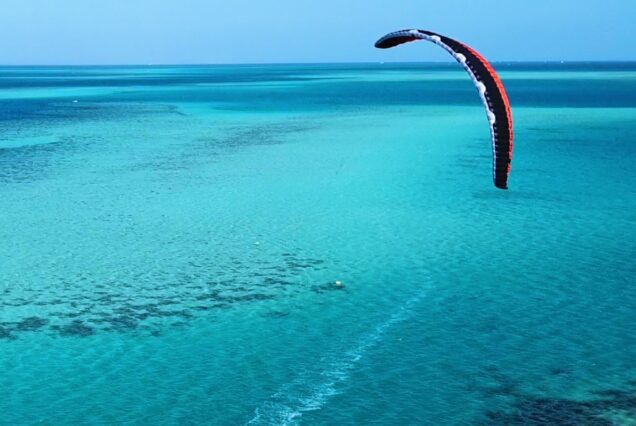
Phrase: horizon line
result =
(440, 62)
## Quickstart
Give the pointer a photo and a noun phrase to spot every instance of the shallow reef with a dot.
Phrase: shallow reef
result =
(610, 407)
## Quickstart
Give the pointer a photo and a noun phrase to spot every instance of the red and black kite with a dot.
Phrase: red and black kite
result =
(490, 89)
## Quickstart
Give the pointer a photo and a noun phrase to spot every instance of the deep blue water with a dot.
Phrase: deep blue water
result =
(171, 239)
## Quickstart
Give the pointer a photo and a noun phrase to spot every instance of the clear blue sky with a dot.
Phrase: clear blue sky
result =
(254, 31)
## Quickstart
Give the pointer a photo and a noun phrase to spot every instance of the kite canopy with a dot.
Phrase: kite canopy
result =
(490, 89)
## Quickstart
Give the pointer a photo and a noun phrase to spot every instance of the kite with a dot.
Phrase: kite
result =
(490, 89)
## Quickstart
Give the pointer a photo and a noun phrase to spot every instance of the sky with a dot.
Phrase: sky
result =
(70, 32)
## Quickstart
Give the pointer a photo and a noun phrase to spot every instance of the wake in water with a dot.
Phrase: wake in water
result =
(312, 389)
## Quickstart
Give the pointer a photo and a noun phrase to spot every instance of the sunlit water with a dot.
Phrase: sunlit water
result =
(171, 238)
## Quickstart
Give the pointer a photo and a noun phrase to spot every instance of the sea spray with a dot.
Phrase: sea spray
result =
(312, 389)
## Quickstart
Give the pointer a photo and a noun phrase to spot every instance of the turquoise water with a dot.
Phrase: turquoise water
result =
(171, 238)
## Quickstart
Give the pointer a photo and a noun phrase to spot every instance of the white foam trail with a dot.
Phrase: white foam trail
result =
(287, 406)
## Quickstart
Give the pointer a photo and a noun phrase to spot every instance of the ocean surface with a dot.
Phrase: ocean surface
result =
(171, 239)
